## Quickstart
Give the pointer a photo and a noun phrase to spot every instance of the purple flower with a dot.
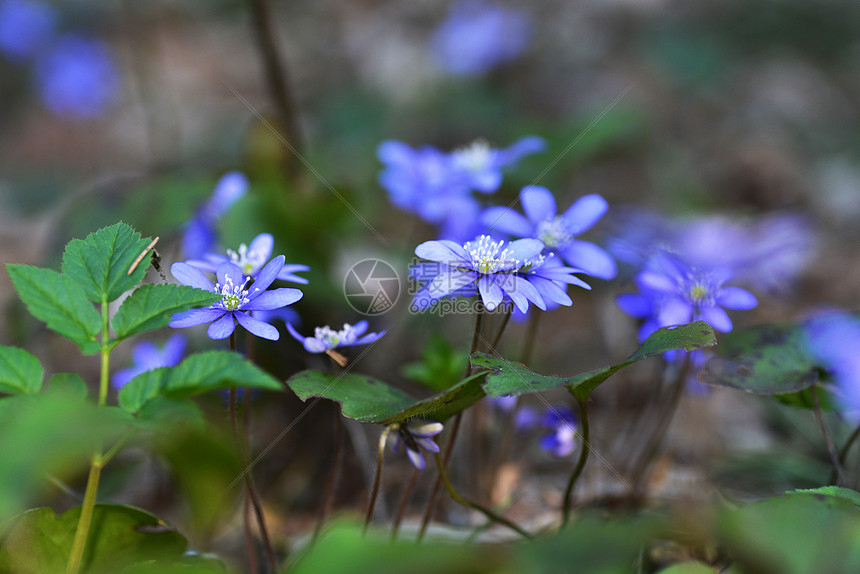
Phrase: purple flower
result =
(673, 293)
(557, 232)
(199, 237)
(437, 186)
(77, 76)
(238, 298)
(478, 36)
(415, 435)
(26, 27)
(561, 439)
(833, 340)
(325, 338)
(147, 356)
(489, 265)
(251, 259)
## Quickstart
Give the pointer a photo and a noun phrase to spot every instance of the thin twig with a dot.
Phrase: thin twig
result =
(404, 500)
(331, 487)
(843, 453)
(374, 492)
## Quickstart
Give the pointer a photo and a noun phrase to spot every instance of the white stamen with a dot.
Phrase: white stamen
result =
(553, 232)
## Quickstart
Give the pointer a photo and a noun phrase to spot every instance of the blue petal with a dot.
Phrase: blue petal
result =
(635, 305)
(448, 282)
(550, 291)
(359, 328)
(269, 273)
(191, 276)
(590, 258)
(491, 293)
(231, 270)
(258, 328)
(538, 203)
(415, 458)
(273, 299)
(523, 286)
(675, 312)
(717, 318)
(263, 244)
(525, 249)
(427, 444)
(222, 328)
(194, 317)
(443, 251)
(287, 273)
(506, 220)
(230, 188)
(584, 213)
(369, 338)
(296, 335)
(736, 298)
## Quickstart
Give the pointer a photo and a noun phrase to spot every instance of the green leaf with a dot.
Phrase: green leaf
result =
(39, 541)
(440, 367)
(362, 398)
(688, 568)
(199, 373)
(845, 493)
(151, 306)
(511, 378)
(49, 434)
(167, 416)
(443, 406)
(57, 300)
(20, 372)
(794, 534)
(69, 384)
(100, 263)
(763, 360)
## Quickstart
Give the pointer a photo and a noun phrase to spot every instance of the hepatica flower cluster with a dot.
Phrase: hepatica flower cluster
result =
(439, 187)
(240, 295)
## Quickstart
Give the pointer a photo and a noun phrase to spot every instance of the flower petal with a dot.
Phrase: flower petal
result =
(262, 244)
(191, 276)
(273, 299)
(287, 273)
(194, 317)
(736, 298)
(491, 293)
(449, 281)
(369, 338)
(635, 305)
(506, 220)
(443, 251)
(525, 249)
(223, 327)
(675, 312)
(717, 318)
(359, 328)
(415, 458)
(258, 328)
(538, 203)
(231, 271)
(269, 273)
(590, 258)
(427, 444)
(584, 213)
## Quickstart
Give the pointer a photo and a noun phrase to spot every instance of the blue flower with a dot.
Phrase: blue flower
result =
(478, 36)
(415, 435)
(561, 439)
(558, 232)
(833, 339)
(491, 266)
(26, 27)
(199, 237)
(674, 293)
(251, 259)
(147, 356)
(238, 299)
(77, 76)
(437, 186)
(325, 338)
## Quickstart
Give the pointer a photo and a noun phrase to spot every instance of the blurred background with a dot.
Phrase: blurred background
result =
(746, 110)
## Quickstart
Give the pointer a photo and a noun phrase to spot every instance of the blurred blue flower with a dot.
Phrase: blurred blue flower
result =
(77, 76)
(147, 356)
(833, 339)
(325, 338)
(237, 301)
(478, 36)
(415, 435)
(26, 28)
(674, 293)
(251, 259)
(561, 439)
(200, 235)
(557, 232)
(437, 186)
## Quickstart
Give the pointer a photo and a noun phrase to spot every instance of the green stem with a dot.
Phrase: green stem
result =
(82, 531)
(580, 464)
(831, 449)
(374, 492)
(474, 505)
(843, 453)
